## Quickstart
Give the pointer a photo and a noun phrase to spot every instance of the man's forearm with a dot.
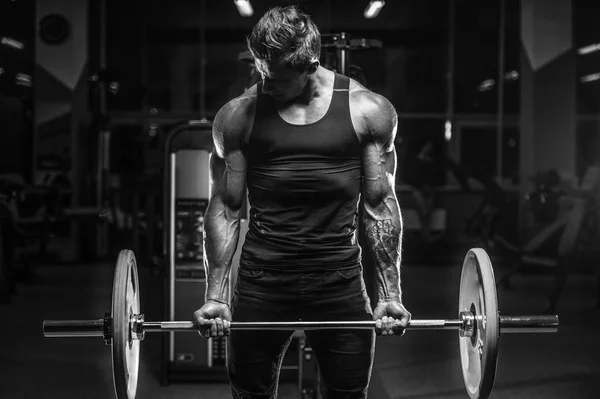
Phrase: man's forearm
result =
(221, 235)
(383, 230)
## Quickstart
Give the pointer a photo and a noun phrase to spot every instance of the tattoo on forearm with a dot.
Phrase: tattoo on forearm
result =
(384, 239)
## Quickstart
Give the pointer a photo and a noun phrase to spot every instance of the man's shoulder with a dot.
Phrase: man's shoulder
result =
(234, 121)
(373, 113)
(239, 108)
(237, 115)
(368, 102)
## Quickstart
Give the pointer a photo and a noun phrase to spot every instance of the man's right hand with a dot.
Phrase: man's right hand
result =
(213, 319)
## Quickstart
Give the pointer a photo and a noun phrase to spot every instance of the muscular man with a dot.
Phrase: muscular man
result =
(306, 142)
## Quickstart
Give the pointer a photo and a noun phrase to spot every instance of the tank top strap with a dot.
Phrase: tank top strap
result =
(341, 83)
(340, 103)
(264, 103)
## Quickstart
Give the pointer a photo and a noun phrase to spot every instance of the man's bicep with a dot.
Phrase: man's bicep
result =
(235, 170)
(217, 169)
(228, 179)
(228, 163)
(381, 123)
(379, 168)
(390, 163)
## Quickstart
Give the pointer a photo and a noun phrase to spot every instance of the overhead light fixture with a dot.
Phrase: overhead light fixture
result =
(486, 85)
(512, 75)
(592, 48)
(7, 41)
(590, 78)
(489, 84)
(244, 7)
(22, 79)
(448, 130)
(373, 8)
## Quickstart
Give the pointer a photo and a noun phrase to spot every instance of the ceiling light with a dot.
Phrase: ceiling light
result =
(448, 130)
(512, 75)
(22, 79)
(487, 84)
(373, 8)
(244, 7)
(592, 48)
(590, 78)
(7, 41)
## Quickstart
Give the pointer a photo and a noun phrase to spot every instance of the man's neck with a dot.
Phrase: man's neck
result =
(317, 85)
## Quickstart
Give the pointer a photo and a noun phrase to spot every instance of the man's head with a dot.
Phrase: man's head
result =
(286, 45)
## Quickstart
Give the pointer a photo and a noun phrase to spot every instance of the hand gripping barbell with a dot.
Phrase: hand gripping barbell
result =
(479, 325)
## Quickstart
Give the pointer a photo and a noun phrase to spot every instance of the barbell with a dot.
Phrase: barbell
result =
(479, 324)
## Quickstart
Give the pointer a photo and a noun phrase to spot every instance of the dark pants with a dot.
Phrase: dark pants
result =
(345, 357)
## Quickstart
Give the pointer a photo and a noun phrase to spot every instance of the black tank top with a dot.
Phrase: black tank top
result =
(304, 185)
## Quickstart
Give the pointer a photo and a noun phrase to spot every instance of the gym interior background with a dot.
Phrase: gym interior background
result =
(105, 107)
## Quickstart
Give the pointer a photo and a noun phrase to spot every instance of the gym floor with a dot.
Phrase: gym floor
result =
(422, 364)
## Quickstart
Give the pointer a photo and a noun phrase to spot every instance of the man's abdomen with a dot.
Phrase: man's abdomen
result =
(303, 214)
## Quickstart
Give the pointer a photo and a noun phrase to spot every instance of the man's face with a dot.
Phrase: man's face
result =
(281, 81)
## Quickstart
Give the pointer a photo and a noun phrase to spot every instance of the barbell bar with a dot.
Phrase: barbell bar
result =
(97, 328)
(479, 325)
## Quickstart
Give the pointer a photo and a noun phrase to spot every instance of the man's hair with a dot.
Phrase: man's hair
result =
(286, 34)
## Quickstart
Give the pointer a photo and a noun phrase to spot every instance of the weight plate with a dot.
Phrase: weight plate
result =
(479, 353)
(125, 303)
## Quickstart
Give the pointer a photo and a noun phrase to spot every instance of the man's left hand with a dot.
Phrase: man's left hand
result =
(391, 318)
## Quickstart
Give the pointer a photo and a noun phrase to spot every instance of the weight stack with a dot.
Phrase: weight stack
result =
(188, 357)
(60, 107)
